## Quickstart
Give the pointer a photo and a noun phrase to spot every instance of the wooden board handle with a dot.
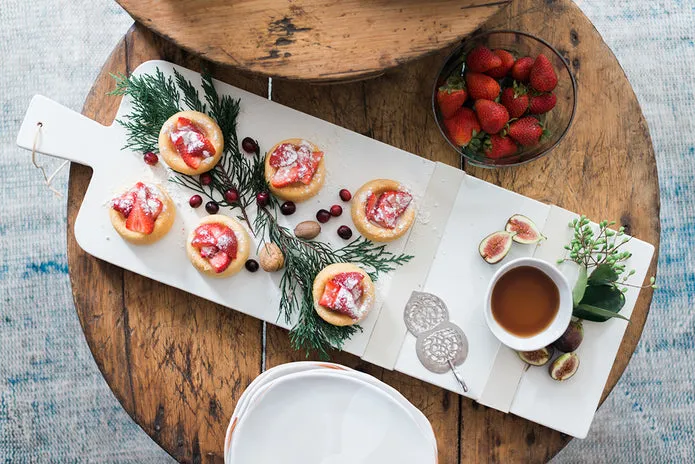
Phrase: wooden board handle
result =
(53, 121)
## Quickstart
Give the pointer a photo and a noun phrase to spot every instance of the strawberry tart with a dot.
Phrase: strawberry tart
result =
(191, 142)
(343, 294)
(294, 169)
(383, 210)
(219, 246)
(143, 214)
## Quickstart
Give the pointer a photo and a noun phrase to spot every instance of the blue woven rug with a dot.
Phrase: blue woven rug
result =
(54, 404)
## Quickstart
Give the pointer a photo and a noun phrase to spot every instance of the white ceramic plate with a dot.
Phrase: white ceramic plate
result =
(259, 384)
(324, 417)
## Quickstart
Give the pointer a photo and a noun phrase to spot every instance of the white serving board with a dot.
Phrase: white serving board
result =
(455, 210)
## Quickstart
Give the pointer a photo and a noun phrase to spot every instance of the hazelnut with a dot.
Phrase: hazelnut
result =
(271, 257)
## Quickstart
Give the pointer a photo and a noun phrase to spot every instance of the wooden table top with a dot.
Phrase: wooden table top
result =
(178, 364)
(317, 40)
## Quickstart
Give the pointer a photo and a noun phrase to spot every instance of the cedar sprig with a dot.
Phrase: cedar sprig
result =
(304, 259)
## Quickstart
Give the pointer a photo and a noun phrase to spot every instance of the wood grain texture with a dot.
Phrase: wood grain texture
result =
(316, 40)
(178, 363)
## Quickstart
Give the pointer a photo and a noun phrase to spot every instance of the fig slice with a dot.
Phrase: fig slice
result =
(495, 246)
(526, 230)
(572, 338)
(564, 367)
(537, 357)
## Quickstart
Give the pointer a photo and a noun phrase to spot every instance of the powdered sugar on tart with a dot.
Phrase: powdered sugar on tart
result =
(383, 210)
(191, 142)
(142, 214)
(294, 169)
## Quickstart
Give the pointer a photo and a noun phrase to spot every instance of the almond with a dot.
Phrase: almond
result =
(307, 230)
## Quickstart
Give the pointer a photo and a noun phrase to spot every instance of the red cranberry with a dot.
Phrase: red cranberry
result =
(150, 158)
(231, 195)
(195, 201)
(344, 232)
(262, 199)
(336, 210)
(323, 216)
(251, 265)
(212, 207)
(206, 178)
(288, 208)
(345, 195)
(249, 145)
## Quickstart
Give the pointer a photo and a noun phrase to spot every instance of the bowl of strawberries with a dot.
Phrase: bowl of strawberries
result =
(504, 98)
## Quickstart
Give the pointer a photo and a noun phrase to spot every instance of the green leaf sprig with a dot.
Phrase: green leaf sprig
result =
(599, 295)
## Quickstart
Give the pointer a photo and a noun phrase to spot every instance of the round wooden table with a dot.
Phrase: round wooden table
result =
(178, 363)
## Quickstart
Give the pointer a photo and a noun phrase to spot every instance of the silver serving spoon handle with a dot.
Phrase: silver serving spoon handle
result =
(458, 377)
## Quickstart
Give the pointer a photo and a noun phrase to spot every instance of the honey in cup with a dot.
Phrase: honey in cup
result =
(525, 301)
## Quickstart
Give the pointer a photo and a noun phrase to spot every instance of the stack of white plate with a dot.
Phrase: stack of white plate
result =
(323, 413)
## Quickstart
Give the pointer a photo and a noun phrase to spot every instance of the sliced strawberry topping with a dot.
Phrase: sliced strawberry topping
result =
(343, 292)
(139, 220)
(220, 261)
(387, 208)
(285, 176)
(216, 243)
(191, 143)
(140, 206)
(294, 163)
(284, 155)
(124, 203)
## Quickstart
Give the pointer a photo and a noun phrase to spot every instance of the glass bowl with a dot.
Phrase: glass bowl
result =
(557, 121)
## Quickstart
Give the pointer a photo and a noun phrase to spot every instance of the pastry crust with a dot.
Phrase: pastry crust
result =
(296, 192)
(243, 247)
(368, 228)
(162, 224)
(334, 317)
(168, 151)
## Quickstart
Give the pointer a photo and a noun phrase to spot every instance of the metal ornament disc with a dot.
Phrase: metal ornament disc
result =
(423, 312)
(444, 343)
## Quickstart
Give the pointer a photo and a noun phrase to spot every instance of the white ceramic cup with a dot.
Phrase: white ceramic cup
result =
(556, 328)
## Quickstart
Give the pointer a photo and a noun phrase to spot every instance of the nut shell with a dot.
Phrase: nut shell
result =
(271, 257)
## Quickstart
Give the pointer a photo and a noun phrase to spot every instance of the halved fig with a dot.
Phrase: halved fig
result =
(495, 246)
(526, 230)
(537, 357)
(564, 367)
(572, 338)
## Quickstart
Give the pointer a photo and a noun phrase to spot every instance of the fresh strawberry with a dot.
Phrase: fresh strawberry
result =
(188, 158)
(481, 86)
(220, 261)
(191, 143)
(139, 220)
(543, 77)
(390, 206)
(308, 166)
(330, 294)
(451, 96)
(203, 236)
(521, 69)
(507, 62)
(515, 100)
(284, 155)
(209, 251)
(285, 176)
(492, 115)
(370, 206)
(227, 243)
(481, 59)
(124, 203)
(497, 147)
(542, 103)
(462, 126)
(526, 131)
(351, 281)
